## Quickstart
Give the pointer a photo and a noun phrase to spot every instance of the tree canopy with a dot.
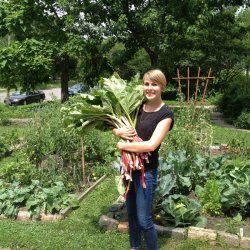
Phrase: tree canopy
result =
(90, 39)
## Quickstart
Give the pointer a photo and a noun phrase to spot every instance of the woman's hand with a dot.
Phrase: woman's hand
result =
(125, 132)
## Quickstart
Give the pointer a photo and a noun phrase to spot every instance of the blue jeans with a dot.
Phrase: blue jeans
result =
(139, 204)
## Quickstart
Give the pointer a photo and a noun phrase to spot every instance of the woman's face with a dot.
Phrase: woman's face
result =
(152, 90)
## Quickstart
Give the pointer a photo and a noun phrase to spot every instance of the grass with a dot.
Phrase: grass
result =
(22, 111)
(223, 135)
(14, 129)
(80, 230)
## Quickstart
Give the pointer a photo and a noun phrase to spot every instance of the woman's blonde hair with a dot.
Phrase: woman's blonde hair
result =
(156, 75)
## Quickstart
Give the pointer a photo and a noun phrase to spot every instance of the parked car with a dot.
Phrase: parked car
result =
(78, 88)
(23, 98)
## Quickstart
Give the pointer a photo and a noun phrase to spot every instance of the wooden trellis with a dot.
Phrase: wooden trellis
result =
(197, 80)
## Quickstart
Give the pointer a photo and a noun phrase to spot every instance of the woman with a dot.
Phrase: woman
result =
(154, 121)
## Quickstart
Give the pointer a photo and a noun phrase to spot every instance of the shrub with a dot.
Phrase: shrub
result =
(243, 121)
(236, 98)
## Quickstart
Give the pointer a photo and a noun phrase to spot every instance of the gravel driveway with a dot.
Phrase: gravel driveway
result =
(52, 93)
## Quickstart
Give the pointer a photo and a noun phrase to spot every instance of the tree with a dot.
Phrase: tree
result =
(182, 33)
(39, 21)
(25, 63)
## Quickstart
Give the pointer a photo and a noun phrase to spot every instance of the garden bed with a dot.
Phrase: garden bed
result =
(116, 219)
(24, 214)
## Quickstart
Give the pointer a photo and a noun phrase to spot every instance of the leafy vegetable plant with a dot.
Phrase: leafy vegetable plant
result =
(35, 197)
(116, 104)
(210, 197)
(179, 210)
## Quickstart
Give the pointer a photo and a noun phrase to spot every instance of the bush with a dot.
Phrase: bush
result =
(19, 170)
(243, 121)
(236, 98)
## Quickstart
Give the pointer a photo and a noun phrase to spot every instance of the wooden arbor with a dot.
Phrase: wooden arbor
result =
(197, 79)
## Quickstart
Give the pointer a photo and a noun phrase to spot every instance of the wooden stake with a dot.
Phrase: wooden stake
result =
(179, 81)
(188, 86)
(197, 85)
(204, 92)
(83, 163)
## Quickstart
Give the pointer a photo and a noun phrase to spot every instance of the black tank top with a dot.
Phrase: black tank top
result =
(145, 126)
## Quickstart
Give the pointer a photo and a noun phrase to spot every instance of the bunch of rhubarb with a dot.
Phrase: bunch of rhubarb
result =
(115, 104)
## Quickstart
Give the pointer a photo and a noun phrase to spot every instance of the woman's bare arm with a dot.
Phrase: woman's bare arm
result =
(156, 139)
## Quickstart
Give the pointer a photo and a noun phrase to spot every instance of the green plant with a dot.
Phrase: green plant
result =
(57, 154)
(180, 172)
(238, 148)
(19, 170)
(235, 186)
(236, 98)
(180, 210)
(4, 147)
(192, 131)
(36, 198)
(209, 197)
(174, 174)
(115, 105)
(4, 121)
(243, 121)
(69, 232)
(232, 224)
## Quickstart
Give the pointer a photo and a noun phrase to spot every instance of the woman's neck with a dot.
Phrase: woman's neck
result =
(152, 106)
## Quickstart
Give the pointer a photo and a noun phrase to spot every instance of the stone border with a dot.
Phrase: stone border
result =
(25, 215)
(203, 234)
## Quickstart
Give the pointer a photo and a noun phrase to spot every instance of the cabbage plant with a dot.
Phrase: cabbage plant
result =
(179, 210)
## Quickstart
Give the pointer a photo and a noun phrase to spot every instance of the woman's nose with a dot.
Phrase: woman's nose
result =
(149, 86)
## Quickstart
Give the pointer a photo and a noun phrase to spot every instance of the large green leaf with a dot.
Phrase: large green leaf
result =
(117, 101)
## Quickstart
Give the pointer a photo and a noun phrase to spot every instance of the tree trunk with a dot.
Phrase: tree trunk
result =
(83, 163)
(153, 56)
(64, 78)
(7, 95)
(153, 59)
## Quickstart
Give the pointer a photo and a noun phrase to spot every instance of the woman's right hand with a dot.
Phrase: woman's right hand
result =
(125, 132)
